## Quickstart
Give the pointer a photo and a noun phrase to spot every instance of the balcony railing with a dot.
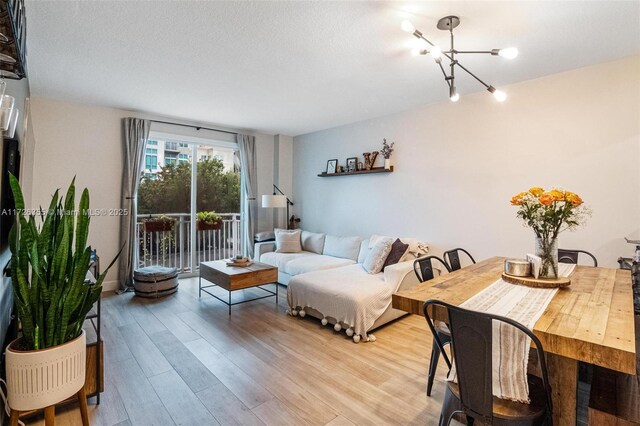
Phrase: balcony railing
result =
(171, 246)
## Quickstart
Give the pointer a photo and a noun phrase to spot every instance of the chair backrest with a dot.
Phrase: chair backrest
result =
(452, 257)
(472, 347)
(571, 256)
(423, 267)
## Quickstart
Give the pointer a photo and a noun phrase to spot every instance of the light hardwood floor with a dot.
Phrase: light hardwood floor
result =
(182, 360)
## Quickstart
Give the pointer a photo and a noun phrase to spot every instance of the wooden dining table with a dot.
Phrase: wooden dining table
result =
(591, 320)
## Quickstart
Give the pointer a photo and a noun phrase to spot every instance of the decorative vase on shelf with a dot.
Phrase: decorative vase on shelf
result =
(387, 163)
(547, 251)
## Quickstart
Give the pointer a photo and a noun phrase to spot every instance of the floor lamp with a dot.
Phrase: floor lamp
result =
(277, 202)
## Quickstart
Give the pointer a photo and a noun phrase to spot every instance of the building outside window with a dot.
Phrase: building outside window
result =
(151, 162)
(170, 159)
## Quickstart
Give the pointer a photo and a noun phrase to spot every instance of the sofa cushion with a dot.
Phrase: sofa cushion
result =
(279, 260)
(343, 247)
(288, 241)
(364, 251)
(375, 259)
(398, 251)
(313, 242)
(313, 263)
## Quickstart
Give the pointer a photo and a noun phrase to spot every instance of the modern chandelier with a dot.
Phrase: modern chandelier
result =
(448, 23)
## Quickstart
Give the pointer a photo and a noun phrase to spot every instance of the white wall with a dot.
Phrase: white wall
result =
(283, 175)
(86, 141)
(457, 165)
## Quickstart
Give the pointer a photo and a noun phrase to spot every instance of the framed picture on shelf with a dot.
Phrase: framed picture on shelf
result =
(352, 164)
(332, 166)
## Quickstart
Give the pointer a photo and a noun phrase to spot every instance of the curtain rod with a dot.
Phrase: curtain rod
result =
(195, 127)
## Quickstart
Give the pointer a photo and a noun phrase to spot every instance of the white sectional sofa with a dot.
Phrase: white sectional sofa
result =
(327, 280)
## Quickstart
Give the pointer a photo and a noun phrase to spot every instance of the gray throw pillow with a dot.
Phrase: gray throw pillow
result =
(288, 241)
(374, 261)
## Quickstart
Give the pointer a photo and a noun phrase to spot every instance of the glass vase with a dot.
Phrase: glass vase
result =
(547, 251)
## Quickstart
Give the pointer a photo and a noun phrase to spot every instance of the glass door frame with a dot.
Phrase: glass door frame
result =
(194, 142)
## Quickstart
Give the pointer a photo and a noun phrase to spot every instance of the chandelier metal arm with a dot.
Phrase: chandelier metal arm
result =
(444, 73)
(471, 51)
(472, 74)
(418, 34)
(449, 55)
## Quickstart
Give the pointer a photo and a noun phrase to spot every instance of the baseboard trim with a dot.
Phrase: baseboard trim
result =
(110, 285)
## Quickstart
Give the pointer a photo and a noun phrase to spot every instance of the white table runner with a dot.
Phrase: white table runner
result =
(510, 346)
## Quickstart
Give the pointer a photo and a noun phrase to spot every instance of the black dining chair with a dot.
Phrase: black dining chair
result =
(452, 257)
(571, 256)
(472, 395)
(423, 267)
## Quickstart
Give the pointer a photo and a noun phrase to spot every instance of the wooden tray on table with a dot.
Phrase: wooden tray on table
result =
(538, 282)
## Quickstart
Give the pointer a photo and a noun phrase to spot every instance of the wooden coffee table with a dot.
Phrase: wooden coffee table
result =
(232, 278)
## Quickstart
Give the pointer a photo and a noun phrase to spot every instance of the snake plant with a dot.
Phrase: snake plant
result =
(49, 264)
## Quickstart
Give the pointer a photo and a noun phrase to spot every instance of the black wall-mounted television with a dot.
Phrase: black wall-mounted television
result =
(10, 164)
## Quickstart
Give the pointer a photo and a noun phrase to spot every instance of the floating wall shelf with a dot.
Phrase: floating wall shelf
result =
(359, 172)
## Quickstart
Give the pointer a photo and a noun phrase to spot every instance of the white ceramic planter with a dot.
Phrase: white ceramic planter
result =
(387, 163)
(38, 379)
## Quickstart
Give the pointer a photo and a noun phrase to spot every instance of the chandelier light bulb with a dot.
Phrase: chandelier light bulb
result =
(500, 95)
(407, 26)
(508, 53)
(453, 94)
(436, 52)
(415, 51)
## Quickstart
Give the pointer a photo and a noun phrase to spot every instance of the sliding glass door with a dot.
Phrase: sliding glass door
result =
(188, 204)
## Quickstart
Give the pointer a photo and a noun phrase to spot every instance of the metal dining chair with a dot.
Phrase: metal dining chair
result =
(423, 267)
(571, 256)
(452, 257)
(472, 395)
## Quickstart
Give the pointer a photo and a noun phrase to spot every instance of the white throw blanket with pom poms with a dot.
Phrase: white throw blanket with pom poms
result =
(352, 298)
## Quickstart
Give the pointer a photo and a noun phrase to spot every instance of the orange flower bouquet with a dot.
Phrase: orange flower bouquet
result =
(548, 213)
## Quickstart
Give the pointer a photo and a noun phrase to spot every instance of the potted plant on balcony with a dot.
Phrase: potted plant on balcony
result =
(206, 221)
(49, 265)
(159, 224)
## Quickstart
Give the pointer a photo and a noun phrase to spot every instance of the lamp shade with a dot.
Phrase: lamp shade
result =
(274, 201)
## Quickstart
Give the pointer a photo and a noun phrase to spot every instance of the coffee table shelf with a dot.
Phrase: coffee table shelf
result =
(233, 278)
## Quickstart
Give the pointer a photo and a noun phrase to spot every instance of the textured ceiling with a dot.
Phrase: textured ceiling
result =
(297, 67)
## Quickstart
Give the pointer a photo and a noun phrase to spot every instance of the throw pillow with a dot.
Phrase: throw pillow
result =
(375, 238)
(264, 236)
(288, 241)
(312, 242)
(397, 252)
(375, 259)
(416, 248)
